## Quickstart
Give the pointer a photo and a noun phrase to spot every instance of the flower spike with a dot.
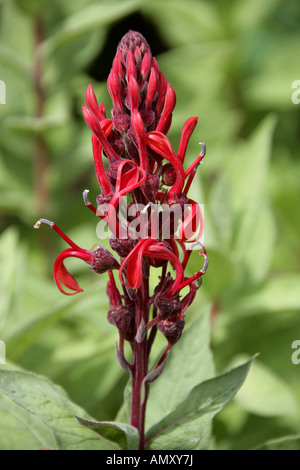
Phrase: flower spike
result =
(144, 203)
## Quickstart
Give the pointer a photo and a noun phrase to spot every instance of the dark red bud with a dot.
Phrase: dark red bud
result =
(168, 174)
(151, 187)
(172, 330)
(121, 121)
(121, 317)
(130, 42)
(122, 247)
(167, 307)
(104, 261)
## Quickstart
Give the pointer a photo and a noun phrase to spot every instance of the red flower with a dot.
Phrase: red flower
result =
(144, 168)
(100, 260)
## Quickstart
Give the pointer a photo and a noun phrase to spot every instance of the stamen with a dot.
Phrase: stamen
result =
(90, 205)
(43, 221)
(58, 231)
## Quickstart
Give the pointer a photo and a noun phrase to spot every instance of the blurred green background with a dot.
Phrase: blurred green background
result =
(232, 63)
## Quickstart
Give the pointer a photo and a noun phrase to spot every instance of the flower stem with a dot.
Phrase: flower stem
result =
(140, 364)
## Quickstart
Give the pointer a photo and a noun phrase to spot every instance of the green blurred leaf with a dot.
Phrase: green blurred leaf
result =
(33, 7)
(23, 335)
(12, 265)
(265, 393)
(88, 19)
(207, 398)
(283, 443)
(250, 14)
(35, 126)
(9, 58)
(248, 171)
(280, 293)
(126, 436)
(198, 20)
(43, 413)
(269, 89)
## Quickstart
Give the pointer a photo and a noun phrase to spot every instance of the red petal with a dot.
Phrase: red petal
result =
(62, 275)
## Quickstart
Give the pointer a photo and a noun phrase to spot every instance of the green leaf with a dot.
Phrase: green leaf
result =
(86, 20)
(198, 20)
(11, 269)
(207, 398)
(9, 58)
(25, 333)
(42, 414)
(266, 394)
(33, 7)
(35, 126)
(126, 436)
(248, 172)
(283, 443)
(281, 293)
(193, 358)
(250, 14)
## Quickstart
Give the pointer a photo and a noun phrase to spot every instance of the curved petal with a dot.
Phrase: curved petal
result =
(62, 275)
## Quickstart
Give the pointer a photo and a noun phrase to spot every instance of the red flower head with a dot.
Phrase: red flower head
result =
(144, 169)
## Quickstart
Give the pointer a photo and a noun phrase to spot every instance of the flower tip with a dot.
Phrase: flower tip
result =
(203, 148)
(43, 221)
(85, 196)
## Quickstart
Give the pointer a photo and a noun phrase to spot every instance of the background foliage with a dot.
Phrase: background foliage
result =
(231, 63)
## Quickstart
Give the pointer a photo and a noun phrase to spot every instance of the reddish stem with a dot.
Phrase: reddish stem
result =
(140, 364)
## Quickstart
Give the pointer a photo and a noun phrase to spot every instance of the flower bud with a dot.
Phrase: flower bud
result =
(171, 329)
(168, 174)
(121, 317)
(122, 246)
(151, 187)
(103, 261)
(167, 307)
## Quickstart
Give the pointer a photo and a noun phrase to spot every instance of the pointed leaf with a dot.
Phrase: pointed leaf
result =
(126, 436)
(283, 443)
(45, 412)
(206, 398)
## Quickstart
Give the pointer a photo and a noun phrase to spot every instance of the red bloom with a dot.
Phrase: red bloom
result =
(100, 260)
(144, 168)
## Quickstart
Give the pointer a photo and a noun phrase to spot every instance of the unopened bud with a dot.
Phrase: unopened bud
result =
(121, 317)
(172, 330)
(103, 261)
(168, 174)
(167, 307)
(151, 187)
(122, 246)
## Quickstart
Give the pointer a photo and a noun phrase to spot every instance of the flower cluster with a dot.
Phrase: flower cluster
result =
(135, 160)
